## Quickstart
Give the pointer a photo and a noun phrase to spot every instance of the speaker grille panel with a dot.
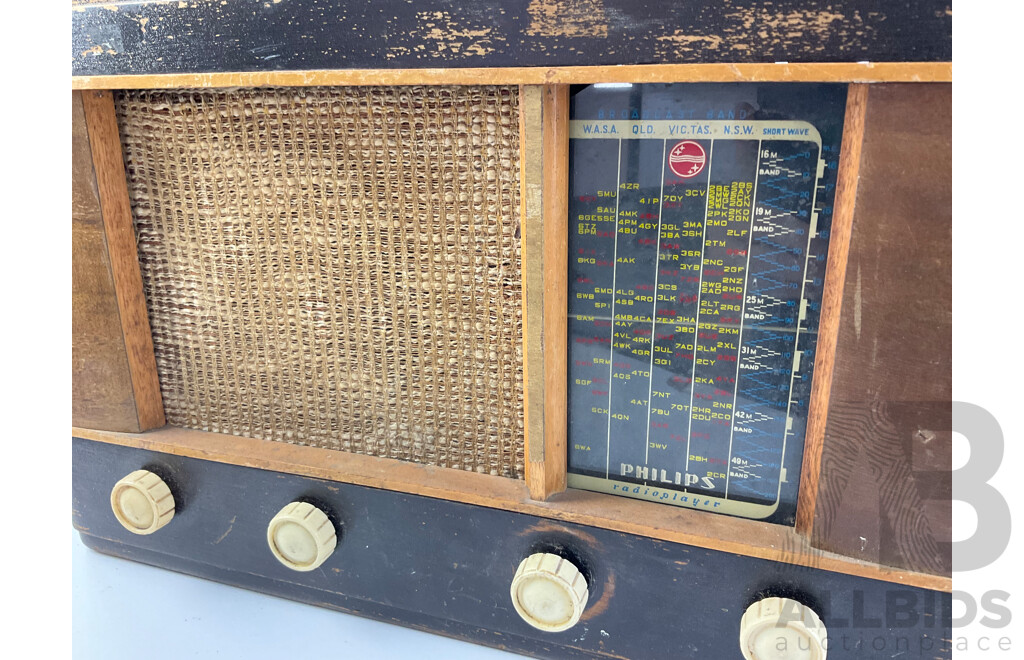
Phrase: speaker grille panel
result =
(336, 267)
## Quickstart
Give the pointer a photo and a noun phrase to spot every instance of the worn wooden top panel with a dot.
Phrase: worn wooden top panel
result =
(198, 36)
(886, 464)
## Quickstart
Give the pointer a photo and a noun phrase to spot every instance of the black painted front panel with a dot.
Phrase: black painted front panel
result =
(447, 566)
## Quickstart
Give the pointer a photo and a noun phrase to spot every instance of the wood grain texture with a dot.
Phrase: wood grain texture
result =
(240, 35)
(556, 271)
(545, 116)
(101, 384)
(734, 535)
(885, 488)
(831, 304)
(108, 165)
(531, 201)
(851, 72)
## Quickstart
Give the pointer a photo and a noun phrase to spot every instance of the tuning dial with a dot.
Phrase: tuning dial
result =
(781, 629)
(549, 592)
(142, 502)
(301, 536)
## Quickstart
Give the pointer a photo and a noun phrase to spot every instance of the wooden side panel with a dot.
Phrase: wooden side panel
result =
(545, 140)
(101, 385)
(105, 143)
(885, 486)
(240, 35)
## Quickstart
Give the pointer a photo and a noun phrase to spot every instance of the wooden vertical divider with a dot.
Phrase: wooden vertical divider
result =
(544, 115)
(828, 328)
(556, 289)
(105, 142)
(531, 218)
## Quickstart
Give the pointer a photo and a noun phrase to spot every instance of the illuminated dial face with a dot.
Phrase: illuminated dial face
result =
(699, 218)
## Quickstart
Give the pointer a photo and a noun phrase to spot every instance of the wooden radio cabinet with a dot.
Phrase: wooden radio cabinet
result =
(648, 307)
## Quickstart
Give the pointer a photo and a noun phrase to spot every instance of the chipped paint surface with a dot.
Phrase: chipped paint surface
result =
(573, 18)
(763, 29)
(786, 28)
(601, 605)
(199, 36)
(686, 42)
(98, 49)
(449, 34)
(445, 35)
(231, 526)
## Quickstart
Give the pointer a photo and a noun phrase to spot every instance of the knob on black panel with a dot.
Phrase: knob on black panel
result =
(781, 629)
(549, 592)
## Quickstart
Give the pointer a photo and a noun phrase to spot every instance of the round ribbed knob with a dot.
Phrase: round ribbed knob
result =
(142, 502)
(781, 629)
(549, 592)
(301, 536)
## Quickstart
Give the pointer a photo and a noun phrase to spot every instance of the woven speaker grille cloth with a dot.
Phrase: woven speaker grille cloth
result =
(336, 267)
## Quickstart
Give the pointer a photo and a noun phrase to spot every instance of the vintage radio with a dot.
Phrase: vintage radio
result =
(655, 326)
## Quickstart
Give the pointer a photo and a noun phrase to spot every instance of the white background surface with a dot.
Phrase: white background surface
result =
(988, 317)
(119, 604)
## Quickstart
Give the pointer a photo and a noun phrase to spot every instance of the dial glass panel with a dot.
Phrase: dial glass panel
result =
(699, 218)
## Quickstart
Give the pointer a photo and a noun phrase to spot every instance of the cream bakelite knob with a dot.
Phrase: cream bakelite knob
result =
(301, 536)
(549, 592)
(142, 502)
(782, 629)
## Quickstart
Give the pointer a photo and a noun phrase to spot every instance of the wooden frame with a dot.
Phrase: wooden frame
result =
(848, 72)
(105, 144)
(101, 389)
(545, 206)
(544, 148)
(555, 282)
(555, 132)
